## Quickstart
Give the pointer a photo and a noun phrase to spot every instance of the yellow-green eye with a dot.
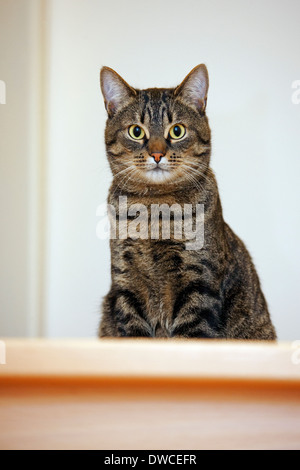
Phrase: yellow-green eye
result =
(136, 132)
(177, 131)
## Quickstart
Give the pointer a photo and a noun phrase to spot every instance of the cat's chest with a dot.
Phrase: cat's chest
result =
(156, 271)
(160, 267)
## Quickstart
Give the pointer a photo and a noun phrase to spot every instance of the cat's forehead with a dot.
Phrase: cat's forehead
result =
(156, 97)
(155, 104)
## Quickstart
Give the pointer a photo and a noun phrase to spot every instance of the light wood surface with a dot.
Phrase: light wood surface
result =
(150, 358)
(149, 394)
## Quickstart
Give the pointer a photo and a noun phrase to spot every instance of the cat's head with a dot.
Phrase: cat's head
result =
(159, 136)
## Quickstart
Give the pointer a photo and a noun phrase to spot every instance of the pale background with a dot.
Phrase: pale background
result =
(54, 271)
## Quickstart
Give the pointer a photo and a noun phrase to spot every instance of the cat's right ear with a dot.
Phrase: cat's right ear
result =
(115, 90)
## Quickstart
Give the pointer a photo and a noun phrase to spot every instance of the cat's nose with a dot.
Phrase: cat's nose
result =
(157, 156)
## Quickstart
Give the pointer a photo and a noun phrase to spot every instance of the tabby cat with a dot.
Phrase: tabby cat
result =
(158, 145)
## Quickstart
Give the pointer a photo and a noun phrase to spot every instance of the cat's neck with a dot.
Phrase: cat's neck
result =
(204, 192)
(206, 183)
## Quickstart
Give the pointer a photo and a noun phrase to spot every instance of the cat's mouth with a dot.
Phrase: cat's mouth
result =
(159, 168)
(158, 174)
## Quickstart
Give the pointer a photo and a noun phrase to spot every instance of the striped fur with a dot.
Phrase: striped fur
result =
(159, 288)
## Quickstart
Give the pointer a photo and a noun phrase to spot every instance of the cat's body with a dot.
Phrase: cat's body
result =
(159, 287)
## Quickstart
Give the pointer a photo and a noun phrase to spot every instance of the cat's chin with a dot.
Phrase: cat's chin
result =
(158, 175)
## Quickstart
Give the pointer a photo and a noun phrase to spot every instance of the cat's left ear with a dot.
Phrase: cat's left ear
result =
(116, 92)
(193, 89)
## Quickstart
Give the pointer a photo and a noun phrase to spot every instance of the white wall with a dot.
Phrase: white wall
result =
(19, 164)
(252, 53)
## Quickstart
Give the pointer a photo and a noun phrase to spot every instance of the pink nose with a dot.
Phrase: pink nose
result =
(157, 156)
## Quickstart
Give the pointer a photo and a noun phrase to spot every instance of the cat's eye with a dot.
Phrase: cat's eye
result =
(177, 131)
(136, 132)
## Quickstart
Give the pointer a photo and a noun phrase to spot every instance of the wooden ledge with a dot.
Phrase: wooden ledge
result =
(149, 394)
(150, 359)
